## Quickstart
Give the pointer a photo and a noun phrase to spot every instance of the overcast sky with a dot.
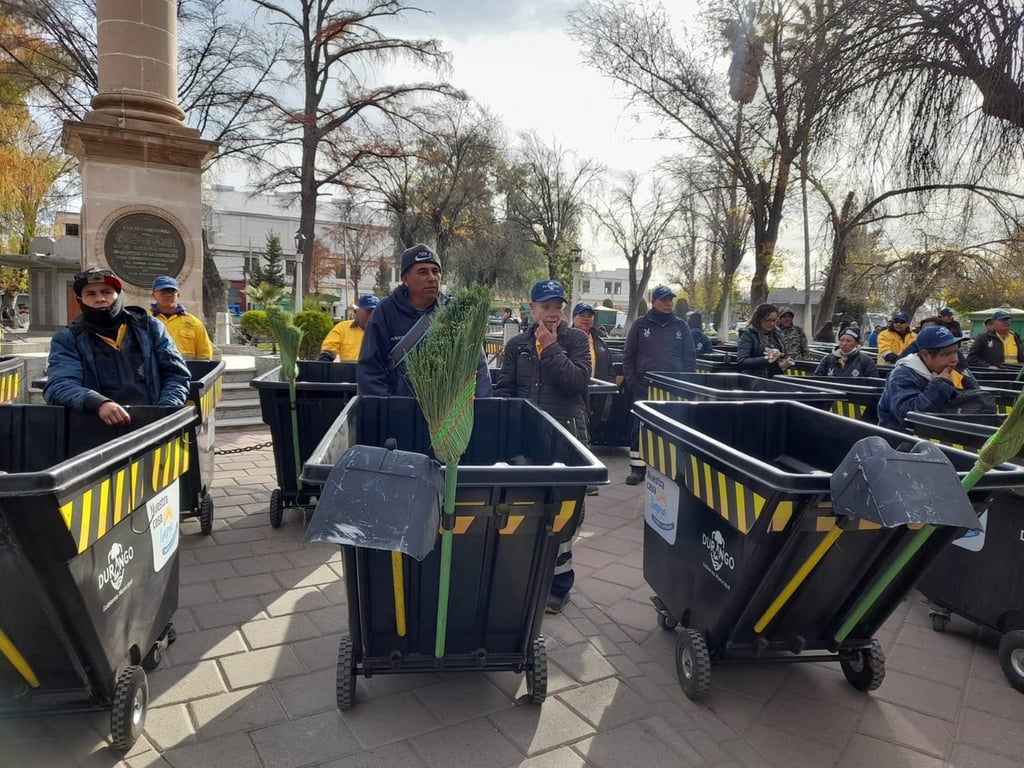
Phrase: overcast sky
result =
(515, 57)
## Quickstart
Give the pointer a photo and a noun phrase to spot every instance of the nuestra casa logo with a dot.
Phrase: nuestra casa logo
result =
(117, 559)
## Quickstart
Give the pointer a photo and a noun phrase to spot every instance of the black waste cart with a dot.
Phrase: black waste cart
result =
(322, 391)
(12, 379)
(980, 576)
(521, 486)
(746, 547)
(734, 386)
(204, 392)
(860, 395)
(612, 428)
(88, 557)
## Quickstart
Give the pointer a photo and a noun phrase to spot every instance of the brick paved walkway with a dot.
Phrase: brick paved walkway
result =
(250, 681)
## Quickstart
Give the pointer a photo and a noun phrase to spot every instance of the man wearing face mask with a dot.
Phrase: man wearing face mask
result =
(549, 364)
(113, 356)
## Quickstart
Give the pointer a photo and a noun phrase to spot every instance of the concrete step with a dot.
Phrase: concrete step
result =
(244, 423)
(237, 390)
(239, 375)
(240, 408)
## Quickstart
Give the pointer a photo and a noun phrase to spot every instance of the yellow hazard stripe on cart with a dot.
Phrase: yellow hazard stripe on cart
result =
(94, 511)
(10, 386)
(655, 392)
(848, 409)
(463, 523)
(735, 502)
(209, 399)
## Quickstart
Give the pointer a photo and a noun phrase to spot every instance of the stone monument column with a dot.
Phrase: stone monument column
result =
(140, 165)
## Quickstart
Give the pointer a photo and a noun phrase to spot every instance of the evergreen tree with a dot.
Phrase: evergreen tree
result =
(270, 268)
(382, 285)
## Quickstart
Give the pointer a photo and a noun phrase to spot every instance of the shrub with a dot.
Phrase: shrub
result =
(315, 325)
(255, 326)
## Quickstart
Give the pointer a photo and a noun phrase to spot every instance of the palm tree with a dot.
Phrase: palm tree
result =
(266, 295)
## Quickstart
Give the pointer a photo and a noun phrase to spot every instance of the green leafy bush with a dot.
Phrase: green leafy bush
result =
(315, 325)
(255, 326)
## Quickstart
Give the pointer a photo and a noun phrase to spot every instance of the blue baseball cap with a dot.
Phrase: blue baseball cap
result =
(900, 317)
(367, 302)
(165, 283)
(1000, 314)
(545, 290)
(936, 337)
(662, 292)
(946, 312)
(582, 307)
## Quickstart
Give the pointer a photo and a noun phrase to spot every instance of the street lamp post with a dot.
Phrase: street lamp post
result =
(577, 261)
(300, 241)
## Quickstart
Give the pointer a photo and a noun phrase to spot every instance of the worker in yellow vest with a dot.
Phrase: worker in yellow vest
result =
(346, 338)
(187, 331)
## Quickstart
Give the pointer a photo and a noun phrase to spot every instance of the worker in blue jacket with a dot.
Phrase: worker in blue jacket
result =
(399, 323)
(113, 356)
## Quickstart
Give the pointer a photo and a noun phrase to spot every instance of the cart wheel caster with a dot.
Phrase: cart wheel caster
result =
(276, 508)
(153, 658)
(693, 664)
(666, 622)
(865, 669)
(537, 672)
(346, 675)
(172, 635)
(128, 715)
(206, 515)
(1011, 658)
(939, 621)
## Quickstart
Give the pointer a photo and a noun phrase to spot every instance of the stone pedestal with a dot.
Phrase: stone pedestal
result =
(140, 165)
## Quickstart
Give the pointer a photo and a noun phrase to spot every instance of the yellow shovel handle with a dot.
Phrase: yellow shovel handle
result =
(13, 655)
(398, 581)
(798, 578)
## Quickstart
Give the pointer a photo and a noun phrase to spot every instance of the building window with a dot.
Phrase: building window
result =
(586, 286)
(70, 230)
(608, 287)
(618, 289)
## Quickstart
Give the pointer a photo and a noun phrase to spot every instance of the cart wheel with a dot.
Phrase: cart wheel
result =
(1011, 658)
(865, 669)
(172, 635)
(128, 716)
(537, 672)
(206, 514)
(666, 622)
(346, 675)
(153, 658)
(276, 508)
(693, 664)
(940, 621)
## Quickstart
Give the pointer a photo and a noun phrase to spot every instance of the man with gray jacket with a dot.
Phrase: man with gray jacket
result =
(549, 364)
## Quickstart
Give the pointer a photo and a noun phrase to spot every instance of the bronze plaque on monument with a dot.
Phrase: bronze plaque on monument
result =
(141, 246)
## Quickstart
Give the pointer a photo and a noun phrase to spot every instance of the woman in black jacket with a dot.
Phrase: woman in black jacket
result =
(760, 350)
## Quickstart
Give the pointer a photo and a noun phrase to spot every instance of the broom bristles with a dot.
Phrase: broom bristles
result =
(442, 370)
(288, 337)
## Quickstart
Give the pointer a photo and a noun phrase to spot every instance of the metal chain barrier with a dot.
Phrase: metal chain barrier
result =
(244, 449)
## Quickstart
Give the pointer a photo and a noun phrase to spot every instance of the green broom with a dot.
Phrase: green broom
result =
(1003, 445)
(442, 370)
(289, 336)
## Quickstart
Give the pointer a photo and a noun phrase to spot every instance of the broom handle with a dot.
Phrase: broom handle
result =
(447, 523)
(295, 437)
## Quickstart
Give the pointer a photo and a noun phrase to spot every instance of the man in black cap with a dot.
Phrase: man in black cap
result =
(658, 341)
(949, 323)
(112, 356)
(997, 345)
(399, 323)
